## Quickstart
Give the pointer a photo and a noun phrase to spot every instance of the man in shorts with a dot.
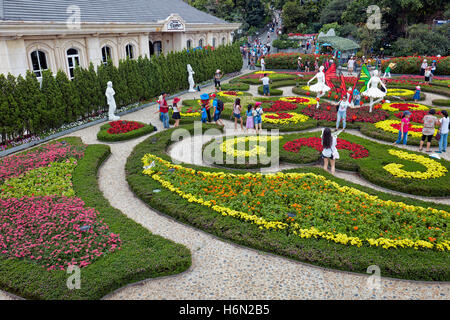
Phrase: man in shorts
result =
(429, 127)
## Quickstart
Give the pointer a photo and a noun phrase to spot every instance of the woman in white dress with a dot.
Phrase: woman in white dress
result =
(372, 90)
(320, 87)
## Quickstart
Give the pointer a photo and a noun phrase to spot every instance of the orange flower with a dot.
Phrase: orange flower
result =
(356, 228)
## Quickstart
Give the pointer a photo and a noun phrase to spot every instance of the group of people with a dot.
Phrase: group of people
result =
(430, 123)
(253, 116)
(428, 71)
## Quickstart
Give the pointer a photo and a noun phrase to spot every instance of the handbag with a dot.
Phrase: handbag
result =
(438, 136)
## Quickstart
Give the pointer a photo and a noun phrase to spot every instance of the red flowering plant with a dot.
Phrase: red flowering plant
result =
(123, 126)
(281, 106)
(357, 151)
(416, 115)
(55, 232)
(328, 112)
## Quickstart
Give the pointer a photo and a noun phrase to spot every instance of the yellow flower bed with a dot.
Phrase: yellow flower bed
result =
(417, 106)
(434, 168)
(223, 94)
(400, 92)
(296, 118)
(293, 99)
(264, 72)
(228, 146)
(192, 114)
(386, 125)
(295, 228)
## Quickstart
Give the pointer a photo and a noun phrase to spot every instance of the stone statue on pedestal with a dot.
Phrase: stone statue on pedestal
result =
(191, 79)
(111, 102)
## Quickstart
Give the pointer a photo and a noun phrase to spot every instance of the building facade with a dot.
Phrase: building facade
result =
(56, 35)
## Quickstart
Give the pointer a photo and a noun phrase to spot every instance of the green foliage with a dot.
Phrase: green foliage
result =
(442, 102)
(25, 107)
(334, 25)
(285, 44)
(333, 11)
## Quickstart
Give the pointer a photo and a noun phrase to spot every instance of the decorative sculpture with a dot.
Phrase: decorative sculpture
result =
(191, 79)
(111, 102)
(323, 84)
(372, 90)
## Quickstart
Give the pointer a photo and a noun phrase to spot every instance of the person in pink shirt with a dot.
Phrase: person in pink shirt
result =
(404, 128)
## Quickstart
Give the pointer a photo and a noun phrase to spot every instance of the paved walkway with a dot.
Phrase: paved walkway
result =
(222, 270)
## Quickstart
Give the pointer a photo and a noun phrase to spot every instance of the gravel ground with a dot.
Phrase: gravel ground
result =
(222, 270)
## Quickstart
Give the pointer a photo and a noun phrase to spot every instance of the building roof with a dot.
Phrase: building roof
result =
(103, 11)
(342, 44)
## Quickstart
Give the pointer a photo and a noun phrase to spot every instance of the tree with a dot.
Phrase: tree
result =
(54, 112)
(333, 11)
(70, 97)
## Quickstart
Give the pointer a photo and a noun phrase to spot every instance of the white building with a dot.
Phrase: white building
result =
(61, 34)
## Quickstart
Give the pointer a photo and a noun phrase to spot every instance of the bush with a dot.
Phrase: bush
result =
(285, 44)
(235, 86)
(442, 102)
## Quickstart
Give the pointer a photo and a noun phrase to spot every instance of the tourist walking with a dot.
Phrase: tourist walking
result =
(257, 119)
(250, 118)
(329, 152)
(429, 125)
(417, 94)
(237, 108)
(176, 112)
(342, 113)
(404, 128)
(217, 77)
(266, 85)
(351, 66)
(263, 64)
(445, 123)
(164, 110)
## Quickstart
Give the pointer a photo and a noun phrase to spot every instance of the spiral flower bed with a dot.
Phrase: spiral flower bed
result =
(328, 113)
(393, 126)
(357, 151)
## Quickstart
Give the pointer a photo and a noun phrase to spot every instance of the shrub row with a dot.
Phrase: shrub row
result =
(289, 60)
(411, 65)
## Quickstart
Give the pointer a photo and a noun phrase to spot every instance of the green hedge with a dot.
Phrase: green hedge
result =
(142, 255)
(104, 136)
(235, 86)
(402, 263)
(442, 102)
(289, 60)
(24, 106)
(411, 65)
(278, 84)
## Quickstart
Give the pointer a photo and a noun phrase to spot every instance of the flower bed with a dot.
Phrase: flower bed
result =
(281, 106)
(411, 65)
(123, 130)
(232, 94)
(416, 115)
(229, 146)
(393, 126)
(289, 60)
(394, 107)
(293, 203)
(284, 118)
(400, 92)
(328, 113)
(357, 151)
(299, 100)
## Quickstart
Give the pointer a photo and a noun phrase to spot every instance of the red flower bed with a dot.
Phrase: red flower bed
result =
(118, 127)
(47, 230)
(298, 100)
(416, 115)
(358, 151)
(403, 106)
(328, 113)
(398, 126)
(280, 116)
(230, 93)
(282, 106)
(15, 165)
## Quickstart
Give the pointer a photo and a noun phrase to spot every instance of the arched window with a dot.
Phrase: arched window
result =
(152, 48)
(200, 43)
(189, 44)
(224, 41)
(129, 51)
(158, 47)
(39, 62)
(214, 42)
(73, 60)
(106, 54)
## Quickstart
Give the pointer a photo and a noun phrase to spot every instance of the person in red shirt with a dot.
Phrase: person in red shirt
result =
(404, 128)
(164, 110)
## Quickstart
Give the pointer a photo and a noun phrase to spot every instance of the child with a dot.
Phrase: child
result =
(250, 113)
(204, 114)
(176, 112)
(329, 153)
(258, 117)
(403, 132)
(357, 97)
(417, 94)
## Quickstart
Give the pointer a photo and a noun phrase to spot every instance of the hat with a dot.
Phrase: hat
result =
(213, 95)
(176, 100)
(406, 113)
(218, 71)
(258, 104)
(204, 96)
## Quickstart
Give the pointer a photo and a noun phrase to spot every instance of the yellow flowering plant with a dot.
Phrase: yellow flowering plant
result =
(393, 125)
(284, 118)
(229, 146)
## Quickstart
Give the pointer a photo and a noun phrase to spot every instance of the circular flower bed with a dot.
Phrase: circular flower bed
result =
(230, 146)
(232, 94)
(434, 168)
(284, 118)
(299, 100)
(416, 115)
(400, 92)
(395, 107)
(123, 130)
(50, 231)
(328, 113)
(357, 151)
(393, 126)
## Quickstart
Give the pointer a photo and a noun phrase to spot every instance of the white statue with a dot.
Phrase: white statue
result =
(320, 87)
(111, 102)
(191, 79)
(372, 90)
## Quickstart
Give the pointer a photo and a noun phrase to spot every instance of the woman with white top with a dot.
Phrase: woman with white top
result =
(329, 153)
(443, 142)
(423, 67)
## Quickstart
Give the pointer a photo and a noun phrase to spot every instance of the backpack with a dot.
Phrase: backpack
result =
(219, 105)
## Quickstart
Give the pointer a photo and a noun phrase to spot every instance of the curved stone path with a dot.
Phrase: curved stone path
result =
(222, 270)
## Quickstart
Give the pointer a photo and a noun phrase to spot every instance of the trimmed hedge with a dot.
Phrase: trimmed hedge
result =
(442, 102)
(142, 255)
(402, 263)
(411, 65)
(289, 60)
(278, 84)
(104, 136)
(235, 86)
